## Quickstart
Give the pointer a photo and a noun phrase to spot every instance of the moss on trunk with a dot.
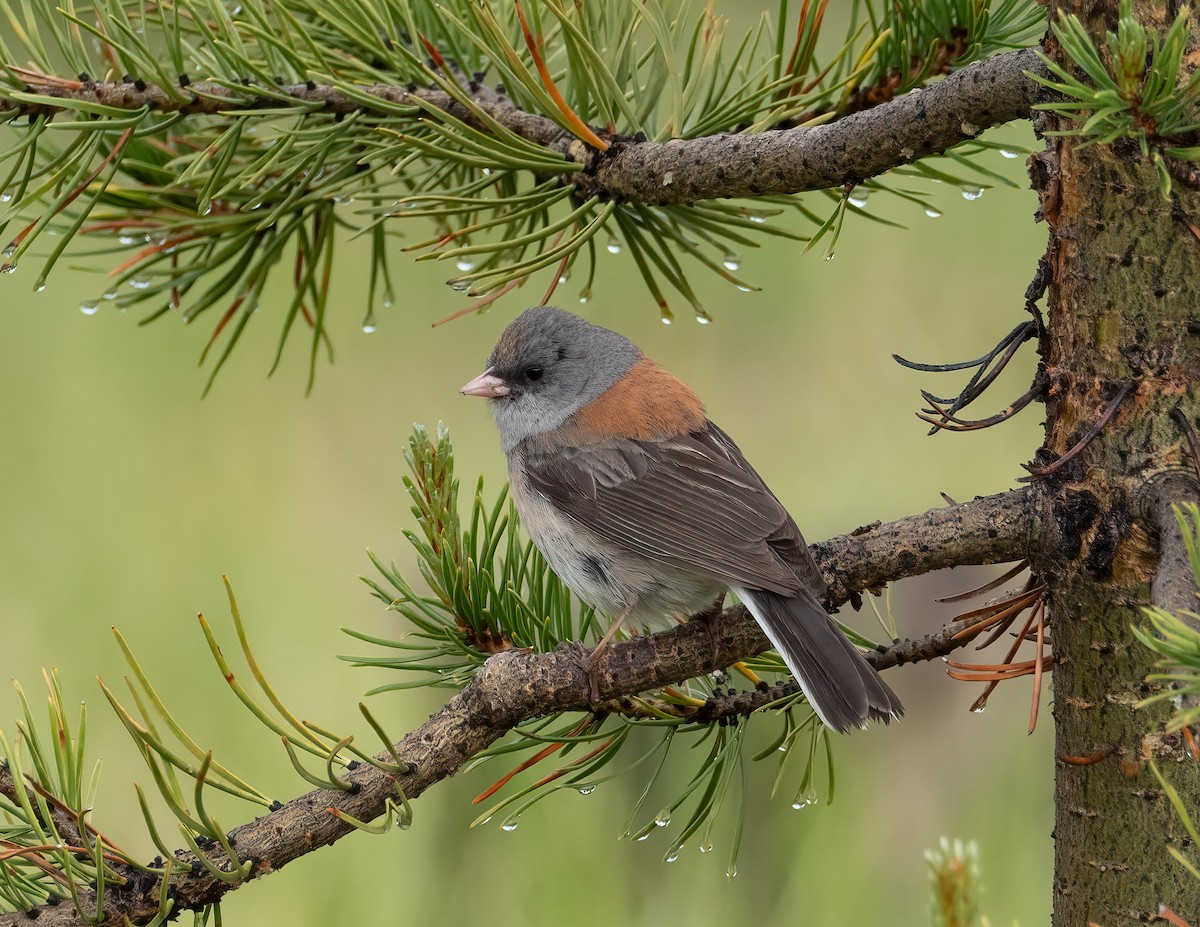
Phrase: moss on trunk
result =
(1123, 310)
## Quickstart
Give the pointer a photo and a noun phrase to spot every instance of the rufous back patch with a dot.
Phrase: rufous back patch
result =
(646, 404)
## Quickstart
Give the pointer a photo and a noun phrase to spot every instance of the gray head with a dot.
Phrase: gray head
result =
(548, 364)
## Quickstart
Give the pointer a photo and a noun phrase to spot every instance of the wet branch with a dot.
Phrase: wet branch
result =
(859, 146)
(516, 686)
(851, 149)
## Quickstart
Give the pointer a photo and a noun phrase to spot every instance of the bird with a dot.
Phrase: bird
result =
(646, 509)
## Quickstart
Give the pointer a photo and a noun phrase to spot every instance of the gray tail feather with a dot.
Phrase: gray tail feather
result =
(842, 687)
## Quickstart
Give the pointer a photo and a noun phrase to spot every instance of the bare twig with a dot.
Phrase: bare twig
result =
(1174, 585)
(1105, 417)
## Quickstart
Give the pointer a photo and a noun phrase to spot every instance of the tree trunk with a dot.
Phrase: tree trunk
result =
(1123, 298)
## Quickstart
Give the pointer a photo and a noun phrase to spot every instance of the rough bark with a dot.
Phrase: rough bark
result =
(1124, 284)
(864, 144)
(517, 685)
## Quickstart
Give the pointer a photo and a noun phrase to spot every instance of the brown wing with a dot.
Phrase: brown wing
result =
(692, 501)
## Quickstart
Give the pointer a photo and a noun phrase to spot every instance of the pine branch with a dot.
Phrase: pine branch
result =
(215, 185)
(516, 686)
(857, 147)
(60, 821)
(203, 98)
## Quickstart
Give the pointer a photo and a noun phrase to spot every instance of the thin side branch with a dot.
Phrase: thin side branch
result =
(209, 99)
(516, 686)
(63, 822)
(1174, 585)
(859, 146)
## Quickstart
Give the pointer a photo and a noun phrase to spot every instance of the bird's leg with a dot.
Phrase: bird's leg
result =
(589, 659)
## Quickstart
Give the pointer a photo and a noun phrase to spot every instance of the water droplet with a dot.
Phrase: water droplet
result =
(759, 219)
(1009, 153)
(90, 307)
(744, 289)
(459, 286)
(667, 318)
(111, 294)
(509, 825)
(139, 283)
(703, 317)
(674, 855)
(645, 836)
(388, 300)
(464, 264)
(858, 197)
(731, 872)
(7, 268)
(979, 710)
(565, 277)
(662, 819)
(933, 213)
(830, 256)
(804, 799)
(9, 249)
(732, 261)
(5, 197)
(707, 848)
(585, 295)
(614, 246)
(369, 328)
(972, 193)
(587, 789)
(40, 288)
(487, 172)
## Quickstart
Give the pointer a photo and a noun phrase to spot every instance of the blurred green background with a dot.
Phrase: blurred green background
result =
(125, 497)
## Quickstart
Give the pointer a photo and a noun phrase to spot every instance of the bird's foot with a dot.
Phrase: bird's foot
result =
(586, 660)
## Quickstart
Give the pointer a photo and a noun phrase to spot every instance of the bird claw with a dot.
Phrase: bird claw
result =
(586, 660)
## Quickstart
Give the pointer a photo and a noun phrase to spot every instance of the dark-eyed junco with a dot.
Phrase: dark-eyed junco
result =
(646, 509)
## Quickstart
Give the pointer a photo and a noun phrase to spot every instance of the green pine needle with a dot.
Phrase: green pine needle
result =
(200, 211)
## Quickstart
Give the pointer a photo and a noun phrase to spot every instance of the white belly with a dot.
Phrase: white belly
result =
(603, 575)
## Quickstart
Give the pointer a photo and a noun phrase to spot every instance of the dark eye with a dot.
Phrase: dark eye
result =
(534, 373)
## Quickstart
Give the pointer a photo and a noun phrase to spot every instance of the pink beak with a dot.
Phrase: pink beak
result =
(486, 385)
